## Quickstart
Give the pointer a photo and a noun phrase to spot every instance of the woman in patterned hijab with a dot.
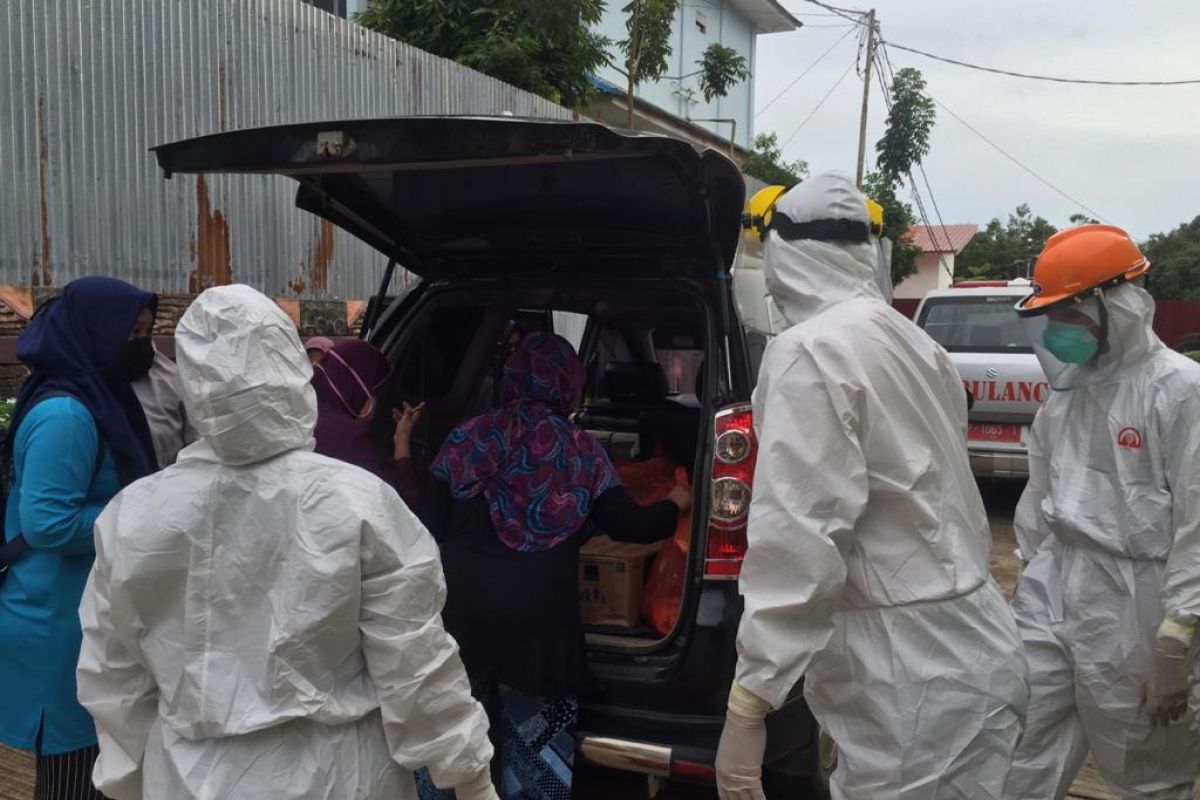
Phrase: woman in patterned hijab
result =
(523, 481)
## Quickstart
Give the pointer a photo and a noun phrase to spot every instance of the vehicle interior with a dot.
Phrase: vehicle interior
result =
(643, 399)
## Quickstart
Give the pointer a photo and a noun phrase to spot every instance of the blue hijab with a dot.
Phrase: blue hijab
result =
(69, 343)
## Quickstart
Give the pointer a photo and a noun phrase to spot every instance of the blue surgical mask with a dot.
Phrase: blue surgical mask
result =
(1070, 344)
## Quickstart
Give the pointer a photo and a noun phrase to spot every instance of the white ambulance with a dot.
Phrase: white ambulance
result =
(975, 322)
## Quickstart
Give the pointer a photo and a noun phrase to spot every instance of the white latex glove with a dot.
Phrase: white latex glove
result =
(479, 788)
(743, 742)
(1164, 689)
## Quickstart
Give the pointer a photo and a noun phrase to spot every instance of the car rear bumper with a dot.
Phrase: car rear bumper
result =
(999, 463)
(683, 747)
(627, 755)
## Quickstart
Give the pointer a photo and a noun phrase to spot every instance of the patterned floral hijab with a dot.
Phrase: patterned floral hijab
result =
(539, 473)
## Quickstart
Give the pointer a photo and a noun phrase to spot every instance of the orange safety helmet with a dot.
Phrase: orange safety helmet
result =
(1080, 260)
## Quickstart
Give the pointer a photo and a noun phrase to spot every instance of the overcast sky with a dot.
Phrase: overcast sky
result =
(1132, 154)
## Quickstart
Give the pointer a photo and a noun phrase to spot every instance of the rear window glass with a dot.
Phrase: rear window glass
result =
(975, 324)
(682, 369)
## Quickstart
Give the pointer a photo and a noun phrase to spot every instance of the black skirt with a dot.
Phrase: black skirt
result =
(515, 615)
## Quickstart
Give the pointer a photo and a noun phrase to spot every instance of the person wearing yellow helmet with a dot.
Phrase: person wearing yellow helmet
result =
(866, 570)
(1109, 523)
(757, 219)
(883, 250)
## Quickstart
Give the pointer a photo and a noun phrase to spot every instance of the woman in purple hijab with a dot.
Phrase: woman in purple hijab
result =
(346, 380)
(524, 480)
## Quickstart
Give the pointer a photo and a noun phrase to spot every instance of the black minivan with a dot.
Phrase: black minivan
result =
(624, 244)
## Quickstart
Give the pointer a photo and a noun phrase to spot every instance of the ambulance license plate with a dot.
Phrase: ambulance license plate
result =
(993, 432)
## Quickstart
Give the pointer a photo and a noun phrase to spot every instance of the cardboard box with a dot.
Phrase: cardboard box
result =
(610, 580)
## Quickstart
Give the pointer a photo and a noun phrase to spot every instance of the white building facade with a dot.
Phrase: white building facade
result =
(939, 244)
(698, 24)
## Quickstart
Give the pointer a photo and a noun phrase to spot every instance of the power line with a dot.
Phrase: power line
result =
(812, 113)
(1053, 79)
(836, 9)
(844, 13)
(807, 70)
(1004, 152)
(1015, 160)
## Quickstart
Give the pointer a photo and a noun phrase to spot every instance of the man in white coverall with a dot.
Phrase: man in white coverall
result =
(262, 621)
(1110, 525)
(867, 568)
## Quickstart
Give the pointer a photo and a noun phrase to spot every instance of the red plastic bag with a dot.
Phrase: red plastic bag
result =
(663, 590)
(648, 482)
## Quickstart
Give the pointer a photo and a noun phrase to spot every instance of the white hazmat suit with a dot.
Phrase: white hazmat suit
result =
(867, 570)
(1110, 524)
(262, 621)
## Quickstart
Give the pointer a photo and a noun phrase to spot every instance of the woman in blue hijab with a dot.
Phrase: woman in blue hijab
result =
(78, 436)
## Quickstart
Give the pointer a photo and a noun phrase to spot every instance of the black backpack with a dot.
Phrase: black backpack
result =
(12, 549)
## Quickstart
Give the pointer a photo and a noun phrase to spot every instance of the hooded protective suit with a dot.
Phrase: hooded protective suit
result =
(1110, 523)
(262, 621)
(867, 570)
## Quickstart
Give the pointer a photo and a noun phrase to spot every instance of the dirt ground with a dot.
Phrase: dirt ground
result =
(16, 769)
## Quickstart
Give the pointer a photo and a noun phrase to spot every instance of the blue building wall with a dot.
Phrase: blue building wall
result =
(698, 24)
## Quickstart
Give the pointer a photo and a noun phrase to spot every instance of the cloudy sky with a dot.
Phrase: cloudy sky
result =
(1131, 154)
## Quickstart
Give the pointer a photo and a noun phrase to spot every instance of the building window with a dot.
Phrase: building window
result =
(701, 22)
(332, 6)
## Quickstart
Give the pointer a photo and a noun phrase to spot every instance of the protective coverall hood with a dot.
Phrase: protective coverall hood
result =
(1098, 340)
(1131, 336)
(806, 276)
(262, 620)
(246, 379)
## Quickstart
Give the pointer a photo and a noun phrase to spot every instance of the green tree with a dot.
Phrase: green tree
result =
(647, 46)
(910, 120)
(766, 163)
(545, 48)
(1174, 263)
(905, 142)
(1003, 251)
(1083, 219)
(721, 68)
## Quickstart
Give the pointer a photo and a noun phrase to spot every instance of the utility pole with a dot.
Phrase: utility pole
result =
(862, 123)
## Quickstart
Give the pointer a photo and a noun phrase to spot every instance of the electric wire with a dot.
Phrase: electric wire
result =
(844, 13)
(807, 70)
(1015, 160)
(820, 103)
(1029, 76)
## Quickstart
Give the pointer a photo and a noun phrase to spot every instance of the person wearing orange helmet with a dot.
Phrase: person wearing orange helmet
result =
(1109, 524)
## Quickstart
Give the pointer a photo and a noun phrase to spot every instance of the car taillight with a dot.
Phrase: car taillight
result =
(734, 453)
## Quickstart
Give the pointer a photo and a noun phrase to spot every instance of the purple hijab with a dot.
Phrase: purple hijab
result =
(346, 381)
(539, 473)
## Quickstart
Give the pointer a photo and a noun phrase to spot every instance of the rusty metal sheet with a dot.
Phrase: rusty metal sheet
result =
(87, 88)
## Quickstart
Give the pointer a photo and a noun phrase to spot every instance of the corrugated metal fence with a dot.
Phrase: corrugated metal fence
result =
(86, 86)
